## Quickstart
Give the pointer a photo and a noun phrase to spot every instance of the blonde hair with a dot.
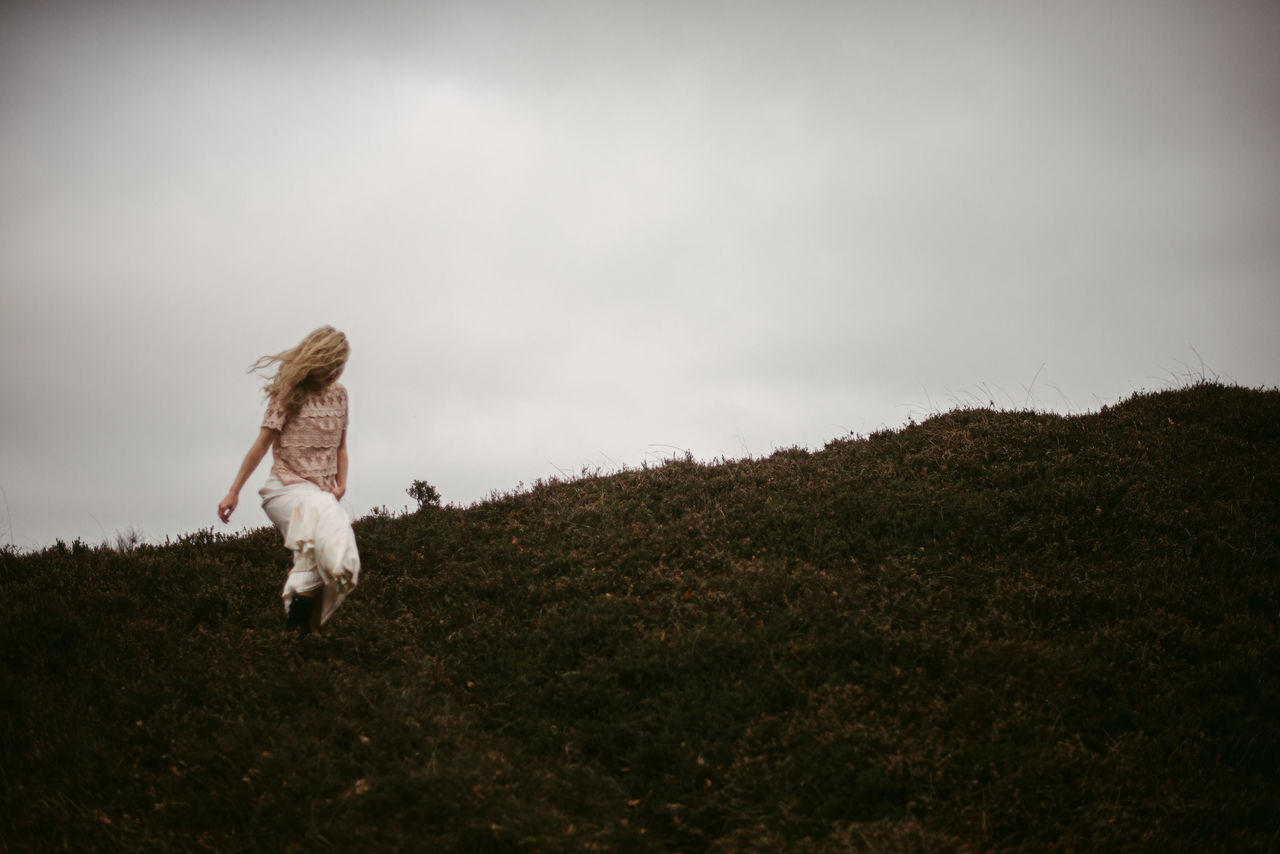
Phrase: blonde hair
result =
(305, 369)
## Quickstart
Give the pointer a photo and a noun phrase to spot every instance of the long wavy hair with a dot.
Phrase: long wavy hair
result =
(310, 367)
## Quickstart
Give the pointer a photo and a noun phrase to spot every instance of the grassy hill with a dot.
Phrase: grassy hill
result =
(987, 631)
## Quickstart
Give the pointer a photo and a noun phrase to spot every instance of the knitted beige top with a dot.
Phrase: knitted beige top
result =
(307, 445)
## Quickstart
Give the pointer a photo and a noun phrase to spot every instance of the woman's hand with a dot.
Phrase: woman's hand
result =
(226, 506)
(338, 492)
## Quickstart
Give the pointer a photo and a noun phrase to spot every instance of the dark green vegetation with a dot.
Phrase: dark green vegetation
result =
(987, 631)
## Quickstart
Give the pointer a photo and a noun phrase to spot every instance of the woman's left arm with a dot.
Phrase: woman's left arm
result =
(266, 438)
(341, 489)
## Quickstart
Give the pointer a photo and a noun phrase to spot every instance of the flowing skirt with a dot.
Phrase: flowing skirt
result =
(318, 532)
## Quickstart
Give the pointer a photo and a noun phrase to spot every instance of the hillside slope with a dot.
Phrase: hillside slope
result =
(987, 631)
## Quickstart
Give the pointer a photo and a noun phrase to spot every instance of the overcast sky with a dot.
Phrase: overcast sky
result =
(599, 234)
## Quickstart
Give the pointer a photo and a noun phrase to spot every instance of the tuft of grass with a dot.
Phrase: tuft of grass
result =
(128, 540)
(985, 631)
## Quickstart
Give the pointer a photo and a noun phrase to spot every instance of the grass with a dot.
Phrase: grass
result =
(989, 631)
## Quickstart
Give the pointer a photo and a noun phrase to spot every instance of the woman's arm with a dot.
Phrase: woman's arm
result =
(266, 438)
(341, 489)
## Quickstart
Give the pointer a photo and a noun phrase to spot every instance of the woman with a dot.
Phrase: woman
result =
(306, 429)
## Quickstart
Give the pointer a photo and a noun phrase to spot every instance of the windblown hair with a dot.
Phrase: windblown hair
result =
(305, 369)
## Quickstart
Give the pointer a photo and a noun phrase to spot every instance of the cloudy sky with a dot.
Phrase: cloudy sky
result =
(598, 234)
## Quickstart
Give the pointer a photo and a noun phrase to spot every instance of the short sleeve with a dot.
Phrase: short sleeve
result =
(346, 409)
(274, 419)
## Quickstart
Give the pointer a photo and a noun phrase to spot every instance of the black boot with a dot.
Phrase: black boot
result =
(299, 619)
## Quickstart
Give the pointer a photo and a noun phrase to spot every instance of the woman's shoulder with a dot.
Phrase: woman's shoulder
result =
(330, 401)
(335, 397)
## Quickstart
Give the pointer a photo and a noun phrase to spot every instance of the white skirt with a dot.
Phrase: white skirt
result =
(318, 532)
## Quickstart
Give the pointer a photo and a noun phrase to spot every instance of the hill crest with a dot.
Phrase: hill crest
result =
(985, 631)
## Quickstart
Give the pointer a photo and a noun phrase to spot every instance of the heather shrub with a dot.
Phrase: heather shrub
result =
(985, 631)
